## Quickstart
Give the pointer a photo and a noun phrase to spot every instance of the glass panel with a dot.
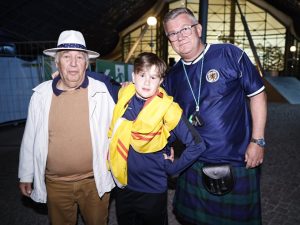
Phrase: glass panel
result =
(146, 44)
(268, 34)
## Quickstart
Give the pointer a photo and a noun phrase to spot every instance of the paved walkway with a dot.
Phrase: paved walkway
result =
(280, 174)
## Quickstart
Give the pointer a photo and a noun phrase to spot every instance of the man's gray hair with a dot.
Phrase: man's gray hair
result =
(59, 53)
(178, 11)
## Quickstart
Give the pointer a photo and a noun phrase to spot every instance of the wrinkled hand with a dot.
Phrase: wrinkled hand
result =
(125, 83)
(25, 188)
(171, 156)
(254, 155)
(55, 74)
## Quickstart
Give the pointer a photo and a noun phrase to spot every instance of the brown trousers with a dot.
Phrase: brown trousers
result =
(64, 198)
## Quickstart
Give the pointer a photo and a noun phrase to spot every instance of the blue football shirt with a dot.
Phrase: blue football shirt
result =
(228, 79)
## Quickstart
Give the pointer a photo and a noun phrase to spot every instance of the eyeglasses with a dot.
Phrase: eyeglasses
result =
(186, 31)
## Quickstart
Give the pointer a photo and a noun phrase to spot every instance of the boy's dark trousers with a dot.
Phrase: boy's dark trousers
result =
(138, 208)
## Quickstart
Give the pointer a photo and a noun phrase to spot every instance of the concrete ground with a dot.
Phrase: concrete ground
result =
(280, 187)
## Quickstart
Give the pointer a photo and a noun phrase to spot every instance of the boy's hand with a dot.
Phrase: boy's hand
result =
(171, 156)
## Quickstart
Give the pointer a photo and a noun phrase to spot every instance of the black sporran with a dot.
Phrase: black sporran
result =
(218, 178)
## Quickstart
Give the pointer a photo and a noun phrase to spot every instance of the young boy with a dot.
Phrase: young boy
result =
(144, 119)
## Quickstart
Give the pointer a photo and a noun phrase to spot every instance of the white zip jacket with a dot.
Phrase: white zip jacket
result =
(34, 146)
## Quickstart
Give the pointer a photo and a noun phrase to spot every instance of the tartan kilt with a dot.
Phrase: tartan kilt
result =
(194, 205)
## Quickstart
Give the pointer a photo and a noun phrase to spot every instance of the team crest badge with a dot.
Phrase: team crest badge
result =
(212, 76)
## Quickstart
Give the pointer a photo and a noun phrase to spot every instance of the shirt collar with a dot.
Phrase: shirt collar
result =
(57, 91)
(198, 57)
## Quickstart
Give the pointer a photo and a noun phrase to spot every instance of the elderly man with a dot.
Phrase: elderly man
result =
(64, 147)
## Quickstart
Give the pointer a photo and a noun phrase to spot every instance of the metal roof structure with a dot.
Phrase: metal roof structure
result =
(99, 20)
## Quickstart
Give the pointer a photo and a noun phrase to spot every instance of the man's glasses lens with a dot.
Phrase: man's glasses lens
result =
(186, 31)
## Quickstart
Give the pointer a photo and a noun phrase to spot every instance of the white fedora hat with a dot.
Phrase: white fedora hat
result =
(71, 40)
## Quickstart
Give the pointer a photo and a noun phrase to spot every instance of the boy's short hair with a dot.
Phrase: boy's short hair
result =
(148, 59)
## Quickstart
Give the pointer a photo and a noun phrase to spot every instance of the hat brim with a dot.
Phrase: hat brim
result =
(52, 51)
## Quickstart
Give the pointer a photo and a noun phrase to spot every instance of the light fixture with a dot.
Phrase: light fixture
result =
(151, 21)
(293, 48)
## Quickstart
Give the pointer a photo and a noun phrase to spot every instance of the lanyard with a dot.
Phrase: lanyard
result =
(200, 80)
